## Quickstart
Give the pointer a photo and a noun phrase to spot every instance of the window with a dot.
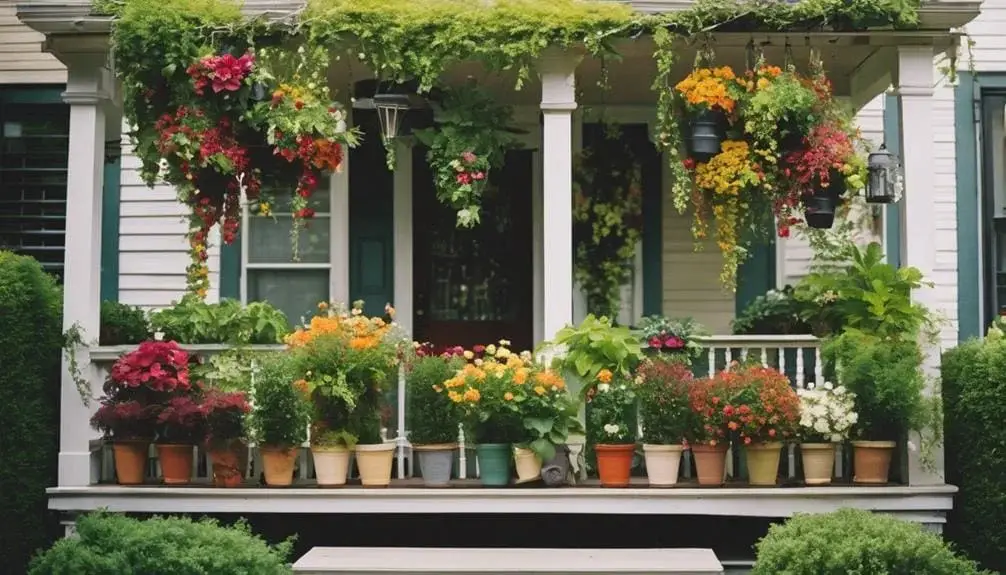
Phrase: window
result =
(269, 271)
(994, 208)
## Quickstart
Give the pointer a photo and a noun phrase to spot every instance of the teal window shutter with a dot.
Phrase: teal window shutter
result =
(756, 275)
(230, 269)
(110, 226)
(892, 217)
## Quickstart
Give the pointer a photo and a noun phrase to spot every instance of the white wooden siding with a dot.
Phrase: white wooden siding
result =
(21, 58)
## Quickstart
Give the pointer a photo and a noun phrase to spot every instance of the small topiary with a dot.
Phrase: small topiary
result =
(122, 324)
(30, 342)
(108, 543)
(856, 542)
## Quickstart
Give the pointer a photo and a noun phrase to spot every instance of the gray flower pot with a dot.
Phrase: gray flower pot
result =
(435, 464)
(555, 471)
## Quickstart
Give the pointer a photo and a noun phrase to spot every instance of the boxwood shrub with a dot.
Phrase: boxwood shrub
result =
(974, 401)
(107, 543)
(30, 343)
(856, 542)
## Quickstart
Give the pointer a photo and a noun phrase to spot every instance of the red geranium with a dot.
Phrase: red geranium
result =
(160, 366)
(765, 407)
(224, 73)
(224, 415)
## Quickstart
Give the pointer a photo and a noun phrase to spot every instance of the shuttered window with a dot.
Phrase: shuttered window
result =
(34, 147)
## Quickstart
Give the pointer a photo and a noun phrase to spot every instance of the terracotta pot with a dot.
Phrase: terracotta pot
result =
(228, 462)
(871, 461)
(710, 463)
(176, 463)
(662, 464)
(130, 460)
(435, 462)
(331, 465)
(528, 464)
(374, 463)
(763, 462)
(818, 462)
(614, 464)
(277, 464)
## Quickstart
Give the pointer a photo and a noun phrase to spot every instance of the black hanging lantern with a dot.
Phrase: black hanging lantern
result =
(706, 135)
(884, 181)
(391, 109)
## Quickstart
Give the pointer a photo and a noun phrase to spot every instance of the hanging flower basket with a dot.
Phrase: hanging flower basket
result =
(820, 205)
(706, 134)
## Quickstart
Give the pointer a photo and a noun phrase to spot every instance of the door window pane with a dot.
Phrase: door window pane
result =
(294, 292)
(269, 240)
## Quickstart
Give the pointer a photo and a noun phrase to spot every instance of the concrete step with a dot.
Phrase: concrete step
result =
(424, 561)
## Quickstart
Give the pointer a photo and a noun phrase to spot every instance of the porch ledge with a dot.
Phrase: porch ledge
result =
(110, 353)
(926, 504)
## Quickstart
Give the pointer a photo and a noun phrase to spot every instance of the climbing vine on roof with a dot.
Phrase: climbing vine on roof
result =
(227, 107)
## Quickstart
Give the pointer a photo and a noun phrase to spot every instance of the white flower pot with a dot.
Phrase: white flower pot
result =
(527, 463)
(818, 462)
(331, 465)
(662, 464)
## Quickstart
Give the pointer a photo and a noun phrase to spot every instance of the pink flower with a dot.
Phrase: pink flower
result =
(479, 176)
(468, 157)
(463, 178)
(674, 342)
(656, 343)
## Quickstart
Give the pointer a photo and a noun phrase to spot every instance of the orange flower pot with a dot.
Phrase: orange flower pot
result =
(229, 462)
(614, 464)
(176, 463)
(710, 463)
(130, 461)
(278, 464)
(871, 461)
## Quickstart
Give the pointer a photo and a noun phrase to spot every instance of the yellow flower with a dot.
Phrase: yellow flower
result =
(520, 376)
(540, 390)
(322, 305)
(490, 349)
(472, 395)
(505, 342)
(508, 396)
(454, 396)
(604, 376)
(437, 388)
(469, 354)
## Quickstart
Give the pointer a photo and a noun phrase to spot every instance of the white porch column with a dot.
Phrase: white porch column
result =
(339, 186)
(86, 94)
(402, 210)
(918, 246)
(558, 100)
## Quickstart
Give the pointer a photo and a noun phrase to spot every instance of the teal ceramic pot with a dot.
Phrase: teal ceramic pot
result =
(494, 463)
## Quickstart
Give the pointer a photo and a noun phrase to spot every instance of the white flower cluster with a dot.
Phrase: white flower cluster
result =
(827, 412)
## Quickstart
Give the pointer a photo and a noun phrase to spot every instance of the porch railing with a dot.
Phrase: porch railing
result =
(796, 356)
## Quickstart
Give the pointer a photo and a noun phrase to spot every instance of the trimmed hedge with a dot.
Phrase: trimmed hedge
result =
(107, 544)
(974, 403)
(30, 343)
(855, 542)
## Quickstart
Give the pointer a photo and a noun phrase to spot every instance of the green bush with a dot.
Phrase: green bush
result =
(282, 410)
(117, 544)
(431, 417)
(974, 397)
(30, 342)
(855, 542)
(122, 324)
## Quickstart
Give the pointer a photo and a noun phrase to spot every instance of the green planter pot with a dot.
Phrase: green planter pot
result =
(494, 463)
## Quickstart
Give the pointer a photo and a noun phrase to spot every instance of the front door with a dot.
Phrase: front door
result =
(474, 286)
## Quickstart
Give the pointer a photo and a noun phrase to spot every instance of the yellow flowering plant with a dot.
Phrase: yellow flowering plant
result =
(345, 362)
(710, 89)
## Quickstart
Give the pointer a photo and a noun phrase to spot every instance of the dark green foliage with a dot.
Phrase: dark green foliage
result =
(122, 324)
(777, 312)
(114, 544)
(974, 399)
(431, 417)
(30, 342)
(855, 542)
(282, 409)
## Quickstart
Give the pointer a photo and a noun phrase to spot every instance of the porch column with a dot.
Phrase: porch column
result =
(86, 94)
(917, 242)
(558, 100)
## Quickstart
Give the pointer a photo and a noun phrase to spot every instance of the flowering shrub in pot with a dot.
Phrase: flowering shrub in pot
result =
(671, 337)
(129, 425)
(662, 386)
(224, 415)
(280, 417)
(433, 423)
(827, 414)
(549, 414)
(762, 413)
(180, 426)
(709, 439)
(709, 96)
(613, 417)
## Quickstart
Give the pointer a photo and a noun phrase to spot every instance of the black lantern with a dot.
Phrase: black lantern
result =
(391, 109)
(884, 182)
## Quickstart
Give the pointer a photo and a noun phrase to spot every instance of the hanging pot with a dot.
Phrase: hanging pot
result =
(705, 134)
(821, 203)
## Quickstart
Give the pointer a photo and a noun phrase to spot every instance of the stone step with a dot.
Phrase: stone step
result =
(459, 561)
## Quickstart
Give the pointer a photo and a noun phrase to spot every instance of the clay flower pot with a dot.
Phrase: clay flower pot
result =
(528, 464)
(374, 463)
(763, 462)
(871, 461)
(662, 464)
(277, 464)
(614, 463)
(176, 463)
(228, 462)
(818, 461)
(331, 465)
(130, 460)
(710, 463)
(435, 463)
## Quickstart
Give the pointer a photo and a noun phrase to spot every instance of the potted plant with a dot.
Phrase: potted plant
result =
(709, 96)
(613, 416)
(823, 170)
(710, 440)
(671, 337)
(432, 422)
(180, 426)
(549, 413)
(224, 416)
(662, 386)
(827, 414)
(887, 379)
(129, 425)
(762, 413)
(280, 417)
(484, 390)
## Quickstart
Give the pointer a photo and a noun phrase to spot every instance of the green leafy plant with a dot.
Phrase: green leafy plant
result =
(663, 386)
(108, 543)
(193, 321)
(672, 337)
(228, 371)
(122, 324)
(596, 344)
(30, 341)
(429, 419)
(778, 312)
(548, 410)
(281, 409)
(855, 541)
